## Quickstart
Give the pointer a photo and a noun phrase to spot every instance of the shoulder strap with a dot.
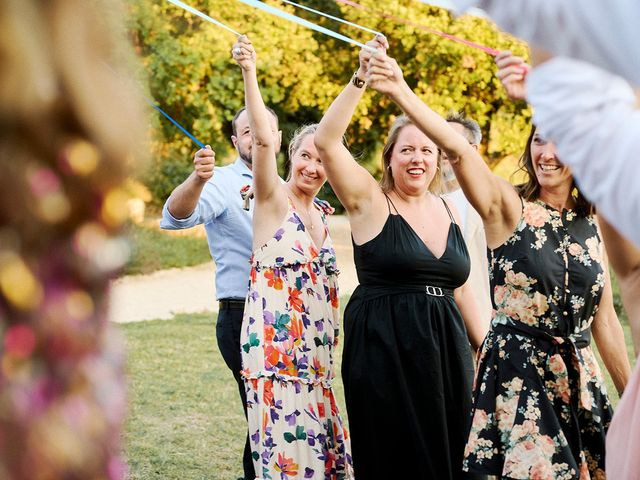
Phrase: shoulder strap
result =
(390, 204)
(324, 206)
(448, 210)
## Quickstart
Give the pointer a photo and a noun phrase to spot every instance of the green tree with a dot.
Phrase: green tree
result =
(190, 74)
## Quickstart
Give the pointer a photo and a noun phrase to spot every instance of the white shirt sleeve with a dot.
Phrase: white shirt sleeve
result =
(590, 114)
(598, 31)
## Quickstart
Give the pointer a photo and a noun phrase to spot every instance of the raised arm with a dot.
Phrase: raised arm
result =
(353, 184)
(493, 198)
(184, 198)
(265, 170)
(602, 33)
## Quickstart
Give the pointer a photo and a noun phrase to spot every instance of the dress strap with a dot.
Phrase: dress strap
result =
(390, 204)
(448, 210)
(325, 209)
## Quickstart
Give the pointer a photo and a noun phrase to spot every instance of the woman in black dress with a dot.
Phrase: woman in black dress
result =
(540, 404)
(407, 366)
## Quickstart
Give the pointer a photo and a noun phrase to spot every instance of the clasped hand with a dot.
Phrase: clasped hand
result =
(244, 54)
(381, 72)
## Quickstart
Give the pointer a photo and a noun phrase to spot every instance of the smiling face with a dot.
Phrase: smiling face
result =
(413, 161)
(550, 172)
(307, 172)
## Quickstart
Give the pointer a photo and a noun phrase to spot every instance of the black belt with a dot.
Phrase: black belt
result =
(373, 291)
(231, 304)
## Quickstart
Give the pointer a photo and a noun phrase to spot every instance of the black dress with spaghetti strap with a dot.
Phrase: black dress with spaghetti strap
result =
(407, 366)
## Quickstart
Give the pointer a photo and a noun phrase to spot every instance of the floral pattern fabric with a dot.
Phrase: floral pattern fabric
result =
(540, 405)
(289, 334)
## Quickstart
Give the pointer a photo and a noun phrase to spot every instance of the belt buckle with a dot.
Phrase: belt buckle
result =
(434, 291)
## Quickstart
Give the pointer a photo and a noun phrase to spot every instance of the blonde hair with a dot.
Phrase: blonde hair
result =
(296, 140)
(386, 182)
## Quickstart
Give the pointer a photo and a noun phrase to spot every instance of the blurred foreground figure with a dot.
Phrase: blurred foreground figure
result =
(68, 125)
(583, 109)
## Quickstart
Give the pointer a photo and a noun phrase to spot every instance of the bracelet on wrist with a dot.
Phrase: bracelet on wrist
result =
(357, 81)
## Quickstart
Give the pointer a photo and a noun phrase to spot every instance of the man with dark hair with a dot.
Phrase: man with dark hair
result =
(215, 201)
(472, 227)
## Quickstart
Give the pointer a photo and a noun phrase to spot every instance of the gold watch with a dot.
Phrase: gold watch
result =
(357, 82)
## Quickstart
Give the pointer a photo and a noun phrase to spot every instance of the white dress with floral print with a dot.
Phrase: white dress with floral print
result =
(540, 406)
(289, 334)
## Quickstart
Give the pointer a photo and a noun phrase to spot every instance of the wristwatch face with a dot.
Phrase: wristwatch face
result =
(359, 83)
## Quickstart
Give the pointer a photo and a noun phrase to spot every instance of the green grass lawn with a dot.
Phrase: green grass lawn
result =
(185, 421)
(155, 250)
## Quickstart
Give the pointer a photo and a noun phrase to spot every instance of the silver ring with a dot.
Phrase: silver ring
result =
(237, 51)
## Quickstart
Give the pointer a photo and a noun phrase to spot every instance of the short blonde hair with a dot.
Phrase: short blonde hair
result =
(294, 145)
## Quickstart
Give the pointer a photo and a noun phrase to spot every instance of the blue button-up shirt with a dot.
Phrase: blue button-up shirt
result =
(228, 227)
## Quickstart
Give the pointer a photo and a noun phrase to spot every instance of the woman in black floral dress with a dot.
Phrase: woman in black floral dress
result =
(540, 405)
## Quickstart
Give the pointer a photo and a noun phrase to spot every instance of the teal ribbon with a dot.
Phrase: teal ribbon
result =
(305, 23)
(337, 19)
(202, 15)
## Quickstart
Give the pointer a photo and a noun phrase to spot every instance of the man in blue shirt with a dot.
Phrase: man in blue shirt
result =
(215, 201)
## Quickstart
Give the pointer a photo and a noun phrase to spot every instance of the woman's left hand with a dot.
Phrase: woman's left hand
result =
(384, 75)
(244, 54)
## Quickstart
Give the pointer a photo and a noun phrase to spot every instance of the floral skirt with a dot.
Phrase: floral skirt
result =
(295, 430)
(540, 411)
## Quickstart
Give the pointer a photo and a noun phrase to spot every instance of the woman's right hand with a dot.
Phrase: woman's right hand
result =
(244, 54)
(384, 75)
(512, 71)
(379, 42)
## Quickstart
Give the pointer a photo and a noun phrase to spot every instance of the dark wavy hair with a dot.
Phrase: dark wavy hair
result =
(530, 190)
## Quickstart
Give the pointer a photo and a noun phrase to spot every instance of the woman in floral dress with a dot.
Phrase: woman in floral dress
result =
(291, 317)
(540, 405)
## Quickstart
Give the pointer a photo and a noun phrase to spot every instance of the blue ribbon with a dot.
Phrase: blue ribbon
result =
(150, 102)
(194, 139)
